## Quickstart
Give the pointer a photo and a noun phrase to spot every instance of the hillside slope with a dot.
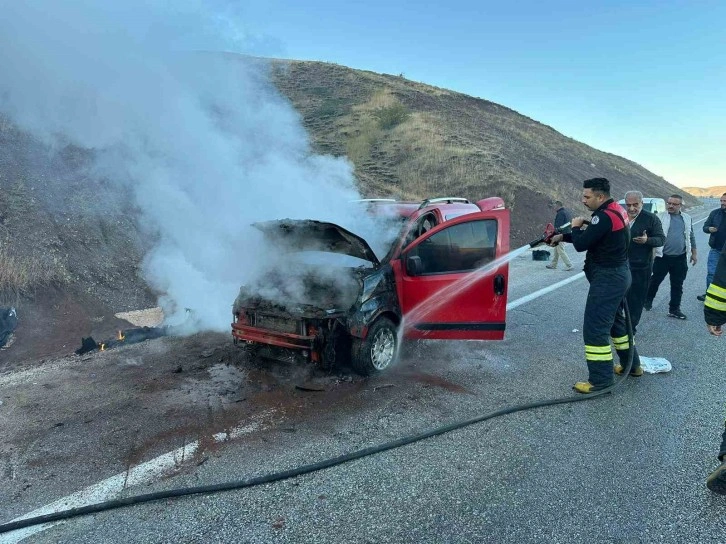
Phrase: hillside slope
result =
(714, 192)
(411, 140)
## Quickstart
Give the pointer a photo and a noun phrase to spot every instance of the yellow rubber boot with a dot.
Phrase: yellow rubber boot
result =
(586, 387)
(635, 373)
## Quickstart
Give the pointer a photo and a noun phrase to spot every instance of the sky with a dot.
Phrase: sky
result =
(641, 79)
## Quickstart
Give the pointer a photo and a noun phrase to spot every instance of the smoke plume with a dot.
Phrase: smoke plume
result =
(176, 114)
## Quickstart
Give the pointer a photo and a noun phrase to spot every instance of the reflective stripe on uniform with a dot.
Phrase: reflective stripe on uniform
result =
(717, 305)
(716, 291)
(621, 342)
(716, 298)
(598, 353)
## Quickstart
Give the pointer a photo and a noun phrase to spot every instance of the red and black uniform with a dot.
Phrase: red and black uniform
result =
(714, 312)
(606, 241)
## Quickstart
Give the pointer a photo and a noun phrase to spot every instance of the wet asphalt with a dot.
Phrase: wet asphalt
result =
(624, 468)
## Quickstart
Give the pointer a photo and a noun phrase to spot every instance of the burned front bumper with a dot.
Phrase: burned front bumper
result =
(248, 333)
(276, 329)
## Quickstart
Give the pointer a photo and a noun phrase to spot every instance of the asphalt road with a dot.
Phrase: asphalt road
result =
(627, 467)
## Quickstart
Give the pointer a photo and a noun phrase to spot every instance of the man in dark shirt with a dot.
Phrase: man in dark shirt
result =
(606, 241)
(647, 234)
(715, 225)
(562, 217)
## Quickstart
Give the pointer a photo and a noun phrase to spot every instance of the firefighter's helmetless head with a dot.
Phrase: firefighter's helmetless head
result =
(595, 191)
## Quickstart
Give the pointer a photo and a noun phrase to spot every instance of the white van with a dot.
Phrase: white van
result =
(653, 205)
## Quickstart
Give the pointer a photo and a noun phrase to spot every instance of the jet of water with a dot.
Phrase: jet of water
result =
(443, 295)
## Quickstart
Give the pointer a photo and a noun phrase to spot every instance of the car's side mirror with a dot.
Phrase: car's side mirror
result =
(414, 266)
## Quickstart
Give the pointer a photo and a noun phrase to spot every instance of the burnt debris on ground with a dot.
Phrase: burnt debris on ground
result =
(127, 336)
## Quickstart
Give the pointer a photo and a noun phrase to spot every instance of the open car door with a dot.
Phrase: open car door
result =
(449, 280)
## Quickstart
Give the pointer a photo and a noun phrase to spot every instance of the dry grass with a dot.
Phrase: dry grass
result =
(371, 123)
(23, 275)
(425, 163)
(363, 140)
(416, 154)
(408, 138)
(22, 272)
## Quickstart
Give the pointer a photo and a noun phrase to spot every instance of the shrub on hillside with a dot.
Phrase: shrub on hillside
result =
(391, 116)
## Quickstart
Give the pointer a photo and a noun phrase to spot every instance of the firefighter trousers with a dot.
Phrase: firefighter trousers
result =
(605, 321)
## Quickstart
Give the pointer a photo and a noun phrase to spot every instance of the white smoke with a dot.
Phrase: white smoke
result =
(202, 138)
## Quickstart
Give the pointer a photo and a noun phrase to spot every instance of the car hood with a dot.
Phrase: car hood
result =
(310, 235)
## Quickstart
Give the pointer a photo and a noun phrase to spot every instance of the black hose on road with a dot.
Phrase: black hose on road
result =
(314, 467)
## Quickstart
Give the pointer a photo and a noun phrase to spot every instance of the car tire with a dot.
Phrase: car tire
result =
(378, 350)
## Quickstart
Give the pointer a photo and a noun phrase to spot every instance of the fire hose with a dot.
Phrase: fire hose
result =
(320, 465)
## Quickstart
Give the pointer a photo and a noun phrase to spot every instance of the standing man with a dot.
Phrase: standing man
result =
(672, 257)
(714, 312)
(562, 217)
(647, 234)
(715, 225)
(606, 241)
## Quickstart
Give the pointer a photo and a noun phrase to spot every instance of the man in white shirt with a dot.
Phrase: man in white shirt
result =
(672, 257)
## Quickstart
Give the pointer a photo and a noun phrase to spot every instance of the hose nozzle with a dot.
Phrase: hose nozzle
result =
(549, 232)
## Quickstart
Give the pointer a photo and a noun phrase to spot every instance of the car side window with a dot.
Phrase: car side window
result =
(459, 248)
(423, 224)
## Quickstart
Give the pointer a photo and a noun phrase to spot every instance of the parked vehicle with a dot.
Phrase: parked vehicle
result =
(653, 205)
(361, 312)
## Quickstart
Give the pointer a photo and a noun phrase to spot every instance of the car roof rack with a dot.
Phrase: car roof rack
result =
(444, 200)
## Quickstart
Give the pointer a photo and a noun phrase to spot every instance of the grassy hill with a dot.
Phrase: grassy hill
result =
(411, 140)
(713, 192)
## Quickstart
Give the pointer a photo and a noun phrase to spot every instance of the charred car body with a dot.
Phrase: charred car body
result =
(439, 280)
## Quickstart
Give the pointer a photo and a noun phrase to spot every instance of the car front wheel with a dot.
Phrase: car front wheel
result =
(378, 350)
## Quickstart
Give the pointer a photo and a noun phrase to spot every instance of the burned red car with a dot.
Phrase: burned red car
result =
(439, 280)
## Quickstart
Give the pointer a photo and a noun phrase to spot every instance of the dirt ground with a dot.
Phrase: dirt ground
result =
(121, 407)
(52, 324)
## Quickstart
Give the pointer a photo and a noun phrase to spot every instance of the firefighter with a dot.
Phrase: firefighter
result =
(606, 240)
(714, 312)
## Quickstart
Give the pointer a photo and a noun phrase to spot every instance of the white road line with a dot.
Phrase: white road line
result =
(113, 487)
(102, 491)
(532, 296)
